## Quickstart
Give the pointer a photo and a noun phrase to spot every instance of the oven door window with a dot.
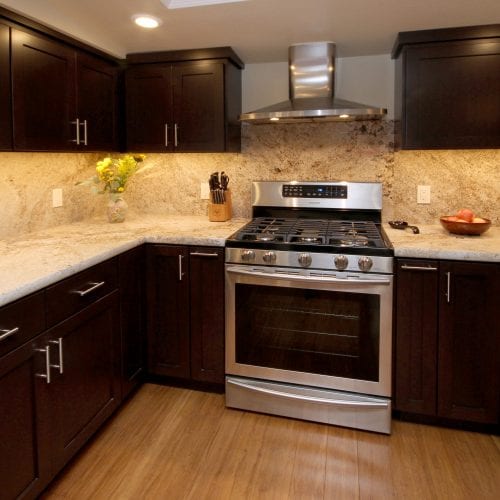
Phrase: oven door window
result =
(304, 330)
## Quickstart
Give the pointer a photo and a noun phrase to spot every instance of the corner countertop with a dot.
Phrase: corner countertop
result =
(35, 260)
(39, 259)
(434, 242)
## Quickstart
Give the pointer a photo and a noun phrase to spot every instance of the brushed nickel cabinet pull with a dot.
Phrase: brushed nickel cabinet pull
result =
(84, 123)
(181, 274)
(176, 128)
(166, 135)
(45, 375)
(448, 287)
(59, 343)
(77, 123)
(204, 254)
(418, 268)
(94, 286)
(8, 333)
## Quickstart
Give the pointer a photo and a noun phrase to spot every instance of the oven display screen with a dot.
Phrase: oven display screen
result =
(309, 191)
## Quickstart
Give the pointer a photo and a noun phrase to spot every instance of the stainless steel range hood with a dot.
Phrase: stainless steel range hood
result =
(311, 90)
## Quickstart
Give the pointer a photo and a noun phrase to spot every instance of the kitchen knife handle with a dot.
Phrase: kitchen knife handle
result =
(166, 135)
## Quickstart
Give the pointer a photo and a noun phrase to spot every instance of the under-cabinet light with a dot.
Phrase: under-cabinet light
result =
(184, 4)
(343, 116)
(274, 119)
(146, 21)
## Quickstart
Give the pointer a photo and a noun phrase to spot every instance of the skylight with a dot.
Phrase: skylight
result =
(184, 4)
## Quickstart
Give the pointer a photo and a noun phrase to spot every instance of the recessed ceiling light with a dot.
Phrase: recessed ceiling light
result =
(184, 4)
(146, 21)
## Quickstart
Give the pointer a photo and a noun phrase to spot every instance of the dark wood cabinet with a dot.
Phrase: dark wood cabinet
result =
(97, 102)
(84, 389)
(448, 88)
(186, 312)
(62, 99)
(206, 267)
(469, 342)
(24, 424)
(5, 91)
(43, 93)
(184, 105)
(448, 340)
(131, 272)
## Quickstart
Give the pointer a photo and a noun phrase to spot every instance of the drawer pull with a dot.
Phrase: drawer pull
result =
(204, 254)
(418, 268)
(8, 333)
(94, 286)
(45, 375)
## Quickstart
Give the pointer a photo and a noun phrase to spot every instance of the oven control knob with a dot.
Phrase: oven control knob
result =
(305, 259)
(247, 255)
(341, 262)
(269, 257)
(365, 263)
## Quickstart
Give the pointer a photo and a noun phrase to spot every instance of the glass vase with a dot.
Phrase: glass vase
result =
(117, 208)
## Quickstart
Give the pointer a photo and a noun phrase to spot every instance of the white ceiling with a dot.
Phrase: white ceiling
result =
(259, 30)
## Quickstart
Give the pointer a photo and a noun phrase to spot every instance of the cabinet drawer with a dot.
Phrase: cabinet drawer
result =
(77, 292)
(21, 321)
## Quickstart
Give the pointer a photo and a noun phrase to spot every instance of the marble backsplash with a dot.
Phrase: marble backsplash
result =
(170, 183)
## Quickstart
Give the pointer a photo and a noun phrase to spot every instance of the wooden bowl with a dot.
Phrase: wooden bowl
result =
(467, 228)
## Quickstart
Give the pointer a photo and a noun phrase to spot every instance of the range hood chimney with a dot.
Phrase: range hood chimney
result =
(311, 91)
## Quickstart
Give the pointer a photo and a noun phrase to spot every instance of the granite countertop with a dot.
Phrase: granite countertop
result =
(35, 260)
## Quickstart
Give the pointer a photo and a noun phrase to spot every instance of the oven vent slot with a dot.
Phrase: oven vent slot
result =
(287, 271)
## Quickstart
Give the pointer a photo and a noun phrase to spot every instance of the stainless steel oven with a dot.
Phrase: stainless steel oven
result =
(309, 323)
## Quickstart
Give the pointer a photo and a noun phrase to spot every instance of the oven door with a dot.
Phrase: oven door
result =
(317, 329)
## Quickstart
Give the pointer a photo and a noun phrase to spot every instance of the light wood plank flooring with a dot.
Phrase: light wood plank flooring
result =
(170, 443)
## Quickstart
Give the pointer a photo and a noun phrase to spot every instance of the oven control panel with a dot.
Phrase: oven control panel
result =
(316, 191)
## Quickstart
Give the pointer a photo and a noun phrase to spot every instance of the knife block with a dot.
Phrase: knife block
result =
(220, 212)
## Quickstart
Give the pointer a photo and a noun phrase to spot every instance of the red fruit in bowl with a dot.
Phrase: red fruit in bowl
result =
(465, 214)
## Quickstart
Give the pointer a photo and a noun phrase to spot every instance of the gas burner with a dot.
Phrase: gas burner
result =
(265, 236)
(357, 240)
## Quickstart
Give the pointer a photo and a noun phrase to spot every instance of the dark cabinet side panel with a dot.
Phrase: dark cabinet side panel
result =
(43, 93)
(416, 336)
(168, 311)
(131, 272)
(469, 348)
(207, 314)
(5, 107)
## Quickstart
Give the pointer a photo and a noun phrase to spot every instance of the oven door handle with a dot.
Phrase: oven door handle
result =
(312, 399)
(310, 279)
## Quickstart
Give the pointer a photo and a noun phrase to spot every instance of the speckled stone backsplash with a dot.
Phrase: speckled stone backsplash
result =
(170, 183)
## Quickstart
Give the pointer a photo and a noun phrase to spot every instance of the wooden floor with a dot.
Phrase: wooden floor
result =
(170, 443)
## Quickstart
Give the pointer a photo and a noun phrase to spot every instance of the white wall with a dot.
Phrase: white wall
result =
(367, 80)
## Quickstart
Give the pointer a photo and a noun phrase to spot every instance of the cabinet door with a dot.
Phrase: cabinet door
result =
(416, 336)
(168, 310)
(87, 391)
(43, 93)
(5, 108)
(199, 107)
(133, 339)
(469, 337)
(206, 267)
(452, 95)
(96, 103)
(149, 108)
(24, 459)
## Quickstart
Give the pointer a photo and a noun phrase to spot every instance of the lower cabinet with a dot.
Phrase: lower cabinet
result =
(448, 340)
(185, 295)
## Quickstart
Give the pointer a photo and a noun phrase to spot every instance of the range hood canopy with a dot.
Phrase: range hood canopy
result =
(311, 90)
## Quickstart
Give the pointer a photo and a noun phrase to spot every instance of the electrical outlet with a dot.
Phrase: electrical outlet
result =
(423, 195)
(204, 191)
(57, 197)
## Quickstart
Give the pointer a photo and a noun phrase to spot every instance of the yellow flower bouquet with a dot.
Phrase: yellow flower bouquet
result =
(115, 172)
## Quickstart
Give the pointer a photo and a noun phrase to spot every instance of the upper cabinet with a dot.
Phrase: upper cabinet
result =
(448, 88)
(184, 101)
(62, 99)
(5, 109)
